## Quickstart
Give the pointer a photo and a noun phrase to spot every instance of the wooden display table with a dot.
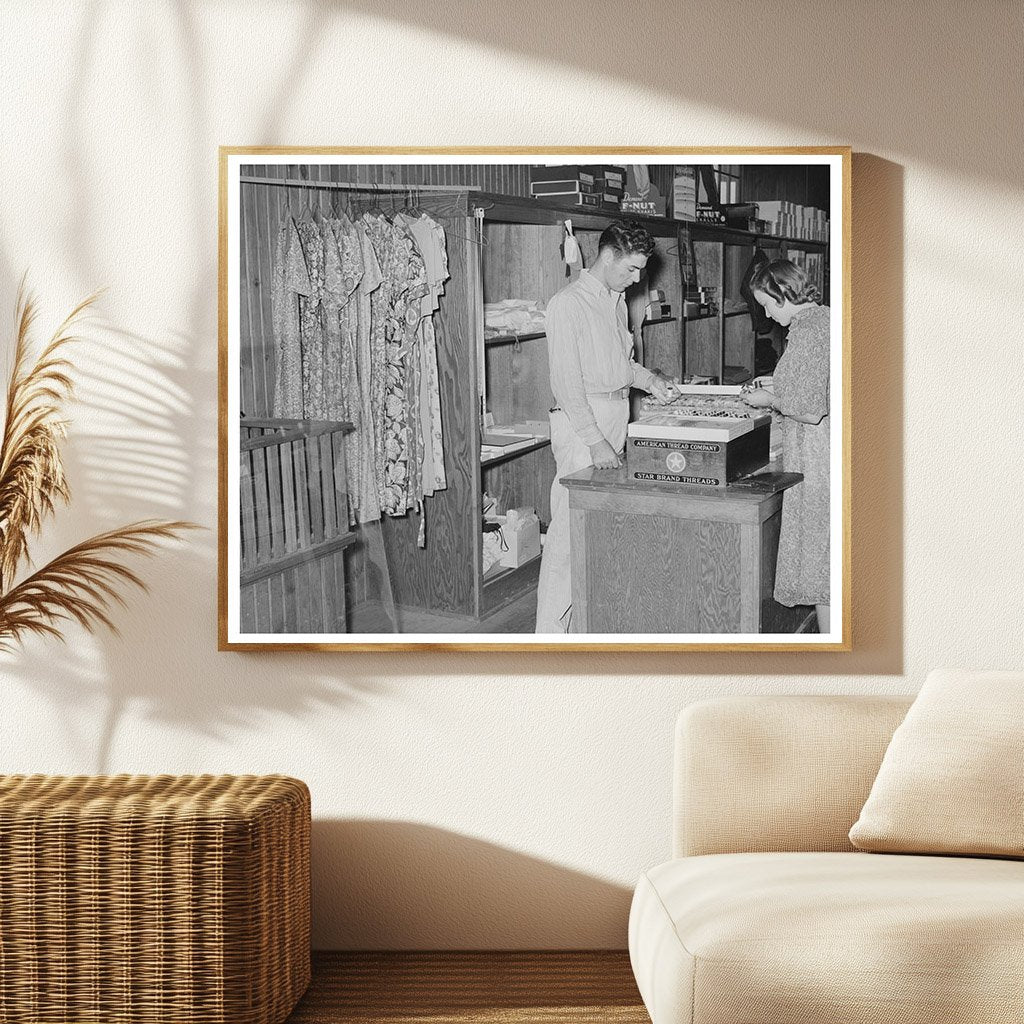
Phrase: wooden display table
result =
(664, 558)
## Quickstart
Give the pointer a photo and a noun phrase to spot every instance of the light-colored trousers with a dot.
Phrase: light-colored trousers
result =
(554, 590)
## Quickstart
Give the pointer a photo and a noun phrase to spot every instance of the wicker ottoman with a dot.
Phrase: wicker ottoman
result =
(172, 899)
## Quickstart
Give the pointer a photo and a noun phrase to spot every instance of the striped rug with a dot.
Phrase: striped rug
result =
(467, 988)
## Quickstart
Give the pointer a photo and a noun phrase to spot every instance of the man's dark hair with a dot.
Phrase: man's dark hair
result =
(626, 237)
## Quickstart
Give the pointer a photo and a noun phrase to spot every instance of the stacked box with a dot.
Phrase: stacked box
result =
(684, 193)
(793, 220)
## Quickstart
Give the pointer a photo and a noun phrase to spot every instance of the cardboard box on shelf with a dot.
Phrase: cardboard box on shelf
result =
(520, 531)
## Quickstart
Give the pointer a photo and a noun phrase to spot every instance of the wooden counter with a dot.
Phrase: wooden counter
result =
(663, 558)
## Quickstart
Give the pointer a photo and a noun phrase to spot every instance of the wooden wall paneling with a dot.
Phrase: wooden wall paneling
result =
(328, 488)
(334, 614)
(588, 245)
(663, 272)
(314, 605)
(249, 345)
(531, 381)
(499, 360)
(289, 499)
(737, 259)
(807, 184)
(354, 566)
(311, 459)
(271, 208)
(497, 262)
(662, 349)
(522, 261)
(278, 548)
(289, 608)
(518, 381)
(663, 178)
(739, 343)
(261, 606)
(538, 399)
(302, 513)
(264, 526)
(300, 575)
(247, 514)
(334, 569)
(702, 347)
(324, 599)
(339, 461)
(552, 275)
(709, 264)
(257, 463)
(246, 610)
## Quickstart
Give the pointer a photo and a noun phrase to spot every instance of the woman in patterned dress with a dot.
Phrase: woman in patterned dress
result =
(801, 397)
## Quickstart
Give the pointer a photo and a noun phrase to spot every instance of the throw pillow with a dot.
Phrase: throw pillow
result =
(952, 780)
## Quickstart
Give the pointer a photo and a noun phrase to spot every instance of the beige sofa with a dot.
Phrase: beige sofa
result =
(768, 915)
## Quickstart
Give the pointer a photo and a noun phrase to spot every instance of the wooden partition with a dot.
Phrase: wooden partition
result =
(294, 526)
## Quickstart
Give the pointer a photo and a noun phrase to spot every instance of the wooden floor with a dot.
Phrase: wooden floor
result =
(467, 988)
(517, 617)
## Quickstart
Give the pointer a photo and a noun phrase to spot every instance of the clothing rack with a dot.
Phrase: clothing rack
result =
(355, 186)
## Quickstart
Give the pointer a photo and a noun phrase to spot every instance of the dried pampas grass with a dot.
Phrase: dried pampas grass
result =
(83, 583)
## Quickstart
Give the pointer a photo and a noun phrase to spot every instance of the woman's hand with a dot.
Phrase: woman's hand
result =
(759, 398)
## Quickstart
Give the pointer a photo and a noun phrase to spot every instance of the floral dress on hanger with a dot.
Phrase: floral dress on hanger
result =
(289, 286)
(311, 330)
(395, 309)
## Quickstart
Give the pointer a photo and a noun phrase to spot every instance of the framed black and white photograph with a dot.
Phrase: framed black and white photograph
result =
(555, 399)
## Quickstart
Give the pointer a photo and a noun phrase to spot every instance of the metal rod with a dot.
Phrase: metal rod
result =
(354, 186)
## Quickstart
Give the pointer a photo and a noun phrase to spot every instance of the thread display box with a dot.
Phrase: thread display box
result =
(704, 439)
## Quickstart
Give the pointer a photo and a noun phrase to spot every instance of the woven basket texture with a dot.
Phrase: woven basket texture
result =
(134, 899)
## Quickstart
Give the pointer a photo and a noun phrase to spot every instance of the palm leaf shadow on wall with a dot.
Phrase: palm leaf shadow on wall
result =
(82, 583)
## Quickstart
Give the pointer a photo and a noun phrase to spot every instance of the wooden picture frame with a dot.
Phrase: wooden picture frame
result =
(299, 566)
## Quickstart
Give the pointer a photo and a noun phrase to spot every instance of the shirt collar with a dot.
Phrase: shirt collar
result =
(593, 285)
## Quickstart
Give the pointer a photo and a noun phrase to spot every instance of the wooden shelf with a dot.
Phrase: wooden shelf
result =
(526, 210)
(511, 339)
(490, 460)
(660, 320)
(737, 236)
(509, 571)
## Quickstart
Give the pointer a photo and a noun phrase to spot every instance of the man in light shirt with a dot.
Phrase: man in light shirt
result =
(590, 350)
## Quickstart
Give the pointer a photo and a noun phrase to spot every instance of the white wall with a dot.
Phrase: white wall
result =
(485, 800)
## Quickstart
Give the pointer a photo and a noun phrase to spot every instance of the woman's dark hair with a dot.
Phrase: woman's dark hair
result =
(626, 237)
(784, 281)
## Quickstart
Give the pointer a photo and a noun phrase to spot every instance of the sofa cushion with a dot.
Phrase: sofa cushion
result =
(833, 938)
(950, 780)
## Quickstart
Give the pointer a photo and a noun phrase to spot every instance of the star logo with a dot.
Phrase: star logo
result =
(675, 462)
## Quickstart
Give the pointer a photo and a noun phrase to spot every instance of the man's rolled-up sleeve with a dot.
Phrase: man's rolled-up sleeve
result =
(566, 349)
